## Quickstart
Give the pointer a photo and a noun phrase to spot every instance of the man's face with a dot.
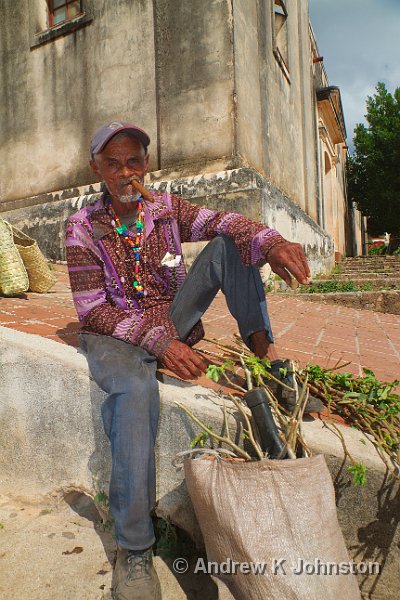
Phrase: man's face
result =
(122, 159)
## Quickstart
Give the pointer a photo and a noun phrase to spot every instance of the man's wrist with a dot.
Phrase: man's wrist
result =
(271, 243)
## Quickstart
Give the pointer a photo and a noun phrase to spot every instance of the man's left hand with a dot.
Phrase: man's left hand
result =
(288, 259)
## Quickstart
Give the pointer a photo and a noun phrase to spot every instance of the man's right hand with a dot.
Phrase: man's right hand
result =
(183, 361)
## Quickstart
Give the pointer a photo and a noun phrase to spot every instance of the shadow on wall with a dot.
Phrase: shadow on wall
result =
(375, 540)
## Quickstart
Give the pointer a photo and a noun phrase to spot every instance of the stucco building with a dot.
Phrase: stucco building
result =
(232, 93)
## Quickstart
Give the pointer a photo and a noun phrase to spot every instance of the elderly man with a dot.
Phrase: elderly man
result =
(137, 306)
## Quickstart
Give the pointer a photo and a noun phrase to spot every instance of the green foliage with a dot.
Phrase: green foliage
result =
(200, 439)
(215, 372)
(397, 252)
(172, 542)
(257, 366)
(377, 250)
(283, 371)
(369, 405)
(337, 269)
(373, 171)
(359, 473)
(366, 390)
(329, 286)
(101, 500)
(333, 286)
(366, 287)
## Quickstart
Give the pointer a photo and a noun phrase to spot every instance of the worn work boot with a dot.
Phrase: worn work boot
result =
(284, 371)
(134, 576)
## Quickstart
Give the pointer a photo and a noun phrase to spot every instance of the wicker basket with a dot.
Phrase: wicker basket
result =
(13, 275)
(41, 279)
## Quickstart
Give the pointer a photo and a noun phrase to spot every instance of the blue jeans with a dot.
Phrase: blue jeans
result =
(128, 376)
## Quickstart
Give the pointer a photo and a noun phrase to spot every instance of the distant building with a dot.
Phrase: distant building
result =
(232, 93)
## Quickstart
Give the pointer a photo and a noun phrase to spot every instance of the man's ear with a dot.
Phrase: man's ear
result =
(94, 166)
(146, 162)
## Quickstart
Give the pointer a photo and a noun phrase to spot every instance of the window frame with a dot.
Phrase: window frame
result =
(283, 63)
(42, 32)
(51, 9)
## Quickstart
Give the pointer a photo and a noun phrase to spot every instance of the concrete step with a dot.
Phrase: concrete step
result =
(364, 275)
(359, 275)
(365, 283)
(382, 301)
(374, 264)
(360, 259)
(387, 270)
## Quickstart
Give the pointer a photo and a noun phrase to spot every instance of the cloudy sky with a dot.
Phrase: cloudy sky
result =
(360, 43)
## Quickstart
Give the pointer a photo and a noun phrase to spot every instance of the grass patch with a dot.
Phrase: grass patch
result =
(328, 287)
(172, 542)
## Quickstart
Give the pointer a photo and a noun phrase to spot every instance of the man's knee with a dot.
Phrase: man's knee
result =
(222, 247)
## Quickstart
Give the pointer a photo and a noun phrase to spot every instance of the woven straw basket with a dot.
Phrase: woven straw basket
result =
(13, 275)
(41, 279)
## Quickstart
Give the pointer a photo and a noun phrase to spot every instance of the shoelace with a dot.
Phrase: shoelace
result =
(139, 565)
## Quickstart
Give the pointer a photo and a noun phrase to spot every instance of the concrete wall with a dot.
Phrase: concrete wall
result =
(173, 76)
(54, 95)
(194, 80)
(241, 190)
(203, 78)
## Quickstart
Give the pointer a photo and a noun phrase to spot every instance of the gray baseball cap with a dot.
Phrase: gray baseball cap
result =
(104, 134)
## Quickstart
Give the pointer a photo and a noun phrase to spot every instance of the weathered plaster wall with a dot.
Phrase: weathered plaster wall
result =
(241, 190)
(290, 145)
(55, 95)
(275, 125)
(194, 80)
(202, 78)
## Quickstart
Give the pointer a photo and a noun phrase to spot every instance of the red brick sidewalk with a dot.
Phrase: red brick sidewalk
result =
(309, 332)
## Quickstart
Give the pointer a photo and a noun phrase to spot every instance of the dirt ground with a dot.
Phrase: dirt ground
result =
(56, 549)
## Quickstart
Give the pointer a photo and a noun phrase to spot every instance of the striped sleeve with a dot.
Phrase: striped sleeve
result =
(152, 330)
(253, 240)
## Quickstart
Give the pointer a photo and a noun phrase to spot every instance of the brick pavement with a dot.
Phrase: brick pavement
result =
(308, 332)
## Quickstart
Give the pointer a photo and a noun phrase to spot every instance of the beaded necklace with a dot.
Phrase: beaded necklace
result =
(134, 246)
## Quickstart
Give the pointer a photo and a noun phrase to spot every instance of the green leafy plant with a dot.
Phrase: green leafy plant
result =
(215, 372)
(370, 405)
(365, 403)
(337, 269)
(201, 438)
(373, 170)
(329, 286)
(103, 505)
(257, 366)
(359, 473)
(377, 250)
(366, 287)
(172, 542)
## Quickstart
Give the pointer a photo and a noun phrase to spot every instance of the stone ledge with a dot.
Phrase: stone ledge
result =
(52, 439)
(241, 190)
(383, 301)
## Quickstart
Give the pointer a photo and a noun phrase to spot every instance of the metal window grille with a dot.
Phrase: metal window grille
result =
(63, 10)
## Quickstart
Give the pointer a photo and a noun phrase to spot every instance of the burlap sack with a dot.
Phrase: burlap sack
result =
(277, 513)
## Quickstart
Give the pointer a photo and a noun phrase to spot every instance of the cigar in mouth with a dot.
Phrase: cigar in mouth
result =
(140, 188)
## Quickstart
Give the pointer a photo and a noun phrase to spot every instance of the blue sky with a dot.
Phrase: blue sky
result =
(360, 43)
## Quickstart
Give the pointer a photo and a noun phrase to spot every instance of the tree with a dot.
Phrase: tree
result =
(374, 169)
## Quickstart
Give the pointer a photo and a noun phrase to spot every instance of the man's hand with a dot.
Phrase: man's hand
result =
(183, 361)
(289, 259)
